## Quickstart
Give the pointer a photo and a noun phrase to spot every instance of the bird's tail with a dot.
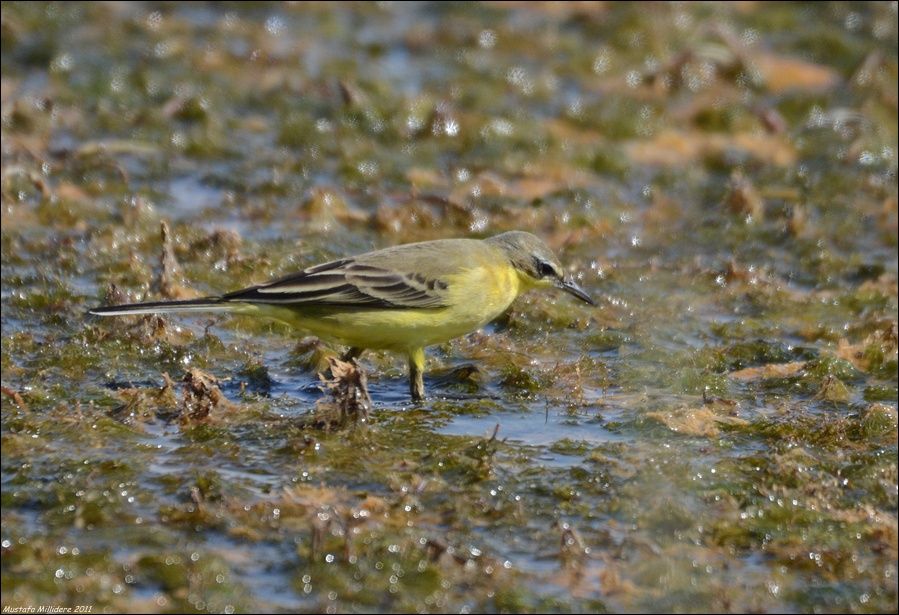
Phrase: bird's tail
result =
(204, 304)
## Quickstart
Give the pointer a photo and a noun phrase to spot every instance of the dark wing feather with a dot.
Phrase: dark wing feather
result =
(347, 283)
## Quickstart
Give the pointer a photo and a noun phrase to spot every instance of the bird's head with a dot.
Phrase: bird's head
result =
(535, 263)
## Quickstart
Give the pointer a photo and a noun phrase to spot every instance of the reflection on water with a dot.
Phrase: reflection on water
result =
(718, 434)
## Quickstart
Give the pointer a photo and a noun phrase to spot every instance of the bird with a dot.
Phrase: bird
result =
(402, 298)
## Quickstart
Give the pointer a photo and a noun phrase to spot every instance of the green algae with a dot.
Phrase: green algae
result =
(719, 434)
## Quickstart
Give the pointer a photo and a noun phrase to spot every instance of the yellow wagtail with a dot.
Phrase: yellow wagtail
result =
(401, 299)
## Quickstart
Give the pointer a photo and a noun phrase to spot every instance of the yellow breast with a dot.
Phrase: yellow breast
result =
(482, 293)
(475, 296)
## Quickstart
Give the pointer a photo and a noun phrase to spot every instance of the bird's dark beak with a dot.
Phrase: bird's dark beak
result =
(569, 286)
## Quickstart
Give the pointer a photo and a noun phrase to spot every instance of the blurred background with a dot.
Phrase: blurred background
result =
(719, 434)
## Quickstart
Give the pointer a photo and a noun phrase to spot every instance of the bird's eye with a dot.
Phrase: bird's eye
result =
(545, 269)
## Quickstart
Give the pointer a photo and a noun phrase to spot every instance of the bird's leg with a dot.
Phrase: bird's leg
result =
(416, 374)
(353, 353)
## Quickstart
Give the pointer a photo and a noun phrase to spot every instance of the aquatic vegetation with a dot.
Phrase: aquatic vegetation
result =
(720, 433)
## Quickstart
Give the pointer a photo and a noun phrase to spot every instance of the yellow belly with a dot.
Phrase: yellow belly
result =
(475, 297)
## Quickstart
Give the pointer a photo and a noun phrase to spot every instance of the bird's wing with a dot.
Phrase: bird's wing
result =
(348, 283)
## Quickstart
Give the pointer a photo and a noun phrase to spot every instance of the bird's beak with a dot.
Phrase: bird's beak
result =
(569, 286)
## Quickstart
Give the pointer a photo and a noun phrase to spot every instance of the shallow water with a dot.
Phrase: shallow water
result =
(719, 433)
